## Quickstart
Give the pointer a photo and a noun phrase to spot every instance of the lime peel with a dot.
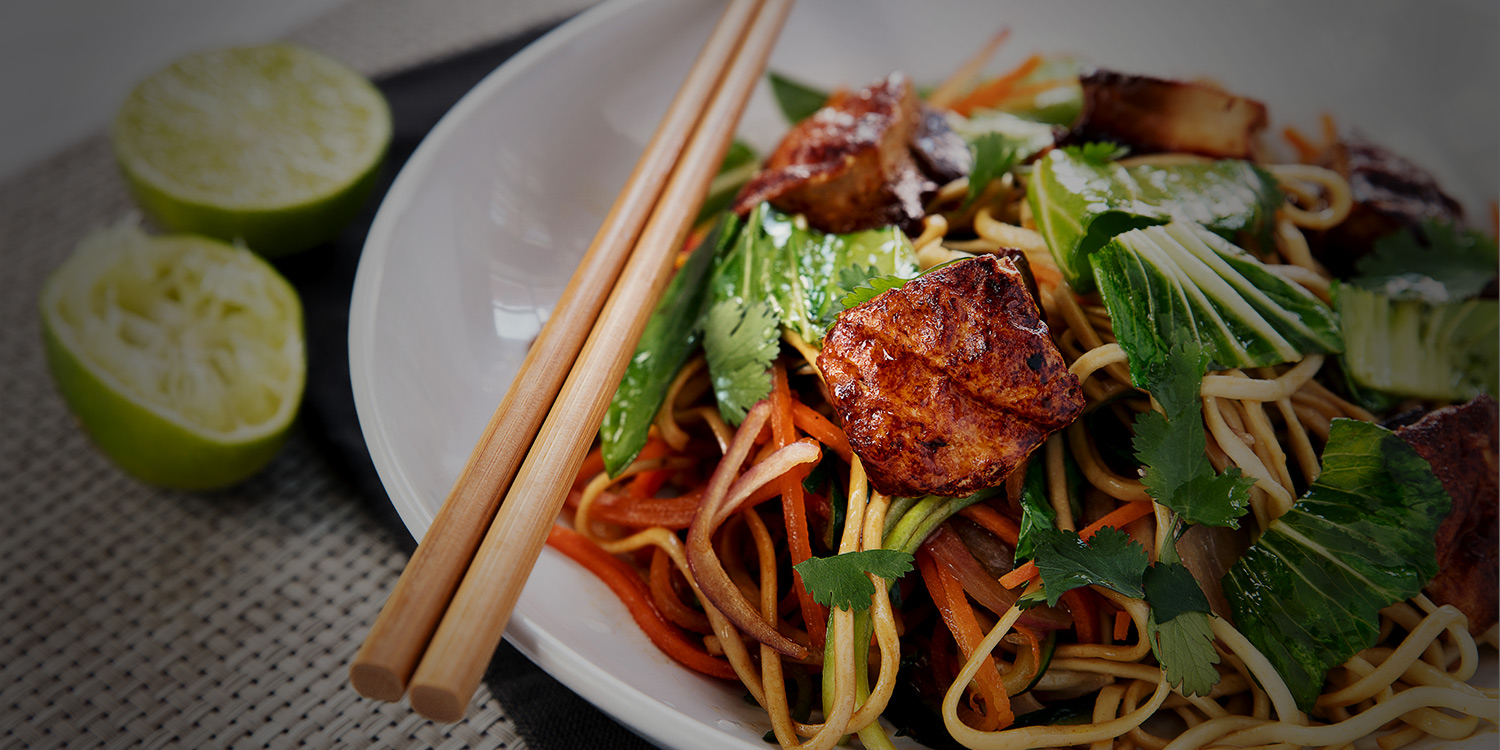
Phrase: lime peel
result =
(183, 357)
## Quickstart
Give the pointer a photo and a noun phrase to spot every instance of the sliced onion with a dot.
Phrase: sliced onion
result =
(726, 491)
(949, 550)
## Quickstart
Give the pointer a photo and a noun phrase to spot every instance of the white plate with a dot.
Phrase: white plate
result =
(482, 228)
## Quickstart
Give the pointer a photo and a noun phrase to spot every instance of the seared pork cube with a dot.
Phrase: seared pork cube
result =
(948, 383)
(1152, 115)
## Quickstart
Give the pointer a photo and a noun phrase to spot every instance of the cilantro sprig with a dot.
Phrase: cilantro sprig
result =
(841, 580)
(1173, 448)
(739, 342)
(1440, 263)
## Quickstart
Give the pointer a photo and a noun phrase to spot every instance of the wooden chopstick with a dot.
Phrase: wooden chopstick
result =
(475, 621)
(395, 643)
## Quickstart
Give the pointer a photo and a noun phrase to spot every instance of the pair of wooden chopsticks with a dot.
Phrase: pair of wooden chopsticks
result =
(436, 640)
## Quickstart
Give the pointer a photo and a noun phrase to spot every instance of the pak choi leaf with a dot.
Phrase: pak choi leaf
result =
(1308, 594)
(1080, 201)
(1440, 263)
(1448, 351)
(1181, 279)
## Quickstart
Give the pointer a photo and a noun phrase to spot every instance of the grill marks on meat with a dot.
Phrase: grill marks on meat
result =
(850, 166)
(948, 383)
(1155, 114)
(1389, 192)
(1460, 442)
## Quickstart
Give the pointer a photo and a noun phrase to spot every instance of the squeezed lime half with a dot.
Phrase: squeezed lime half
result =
(276, 145)
(182, 356)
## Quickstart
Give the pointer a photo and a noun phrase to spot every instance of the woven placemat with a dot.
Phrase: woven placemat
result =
(138, 617)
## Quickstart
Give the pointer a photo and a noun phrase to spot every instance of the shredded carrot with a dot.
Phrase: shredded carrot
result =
(994, 522)
(646, 483)
(948, 90)
(633, 592)
(1116, 518)
(1307, 151)
(993, 91)
(1032, 89)
(1330, 131)
(819, 427)
(1082, 606)
(948, 594)
(1122, 625)
(793, 508)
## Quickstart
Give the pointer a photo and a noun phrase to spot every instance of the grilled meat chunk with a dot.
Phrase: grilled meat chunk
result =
(1460, 442)
(941, 153)
(848, 167)
(947, 384)
(1155, 114)
(1389, 192)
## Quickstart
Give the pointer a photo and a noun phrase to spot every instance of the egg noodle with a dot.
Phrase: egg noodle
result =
(983, 655)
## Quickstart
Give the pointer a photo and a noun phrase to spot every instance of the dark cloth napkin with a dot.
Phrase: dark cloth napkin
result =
(546, 713)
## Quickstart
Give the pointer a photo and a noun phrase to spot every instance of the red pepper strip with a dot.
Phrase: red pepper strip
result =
(675, 513)
(793, 509)
(824, 431)
(1082, 606)
(948, 594)
(993, 521)
(992, 92)
(633, 592)
(1116, 518)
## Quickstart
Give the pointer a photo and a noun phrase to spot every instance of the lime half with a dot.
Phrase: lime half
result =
(276, 145)
(182, 356)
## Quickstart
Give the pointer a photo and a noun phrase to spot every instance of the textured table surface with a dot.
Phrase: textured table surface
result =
(140, 617)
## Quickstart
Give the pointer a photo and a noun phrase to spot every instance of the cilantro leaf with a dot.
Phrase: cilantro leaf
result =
(1171, 590)
(1308, 594)
(1441, 263)
(840, 581)
(1174, 448)
(871, 288)
(1111, 559)
(797, 100)
(1037, 513)
(1184, 646)
(994, 155)
(739, 342)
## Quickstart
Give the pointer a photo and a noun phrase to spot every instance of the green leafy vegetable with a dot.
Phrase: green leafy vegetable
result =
(1099, 153)
(994, 155)
(740, 341)
(802, 273)
(1309, 592)
(1037, 513)
(1411, 347)
(739, 165)
(1181, 279)
(797, 100)
(1451, 265)
(840, 581)
(1172, 591)
(1111, 559)
(1173, 448)
(870, 289)
(1184, 646)
(669, 338)
(1080, 200)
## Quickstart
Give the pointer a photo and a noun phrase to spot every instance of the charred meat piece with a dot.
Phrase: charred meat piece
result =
(947, 384)
(941, 153)
(1389, 192)
(1460, 442)
(848, 167)
(1153, 115)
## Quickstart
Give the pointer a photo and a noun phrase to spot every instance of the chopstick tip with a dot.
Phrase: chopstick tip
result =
(437, 703)
(376, 682)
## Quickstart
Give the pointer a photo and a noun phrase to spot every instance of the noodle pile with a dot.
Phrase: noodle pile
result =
(737, 494)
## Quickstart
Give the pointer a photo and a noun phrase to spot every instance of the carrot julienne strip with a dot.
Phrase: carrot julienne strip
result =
(948, 594)
(1122, 625)
(793, 508)
(992, 92)
(819, 427)
(633, 592)
(993, 521)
